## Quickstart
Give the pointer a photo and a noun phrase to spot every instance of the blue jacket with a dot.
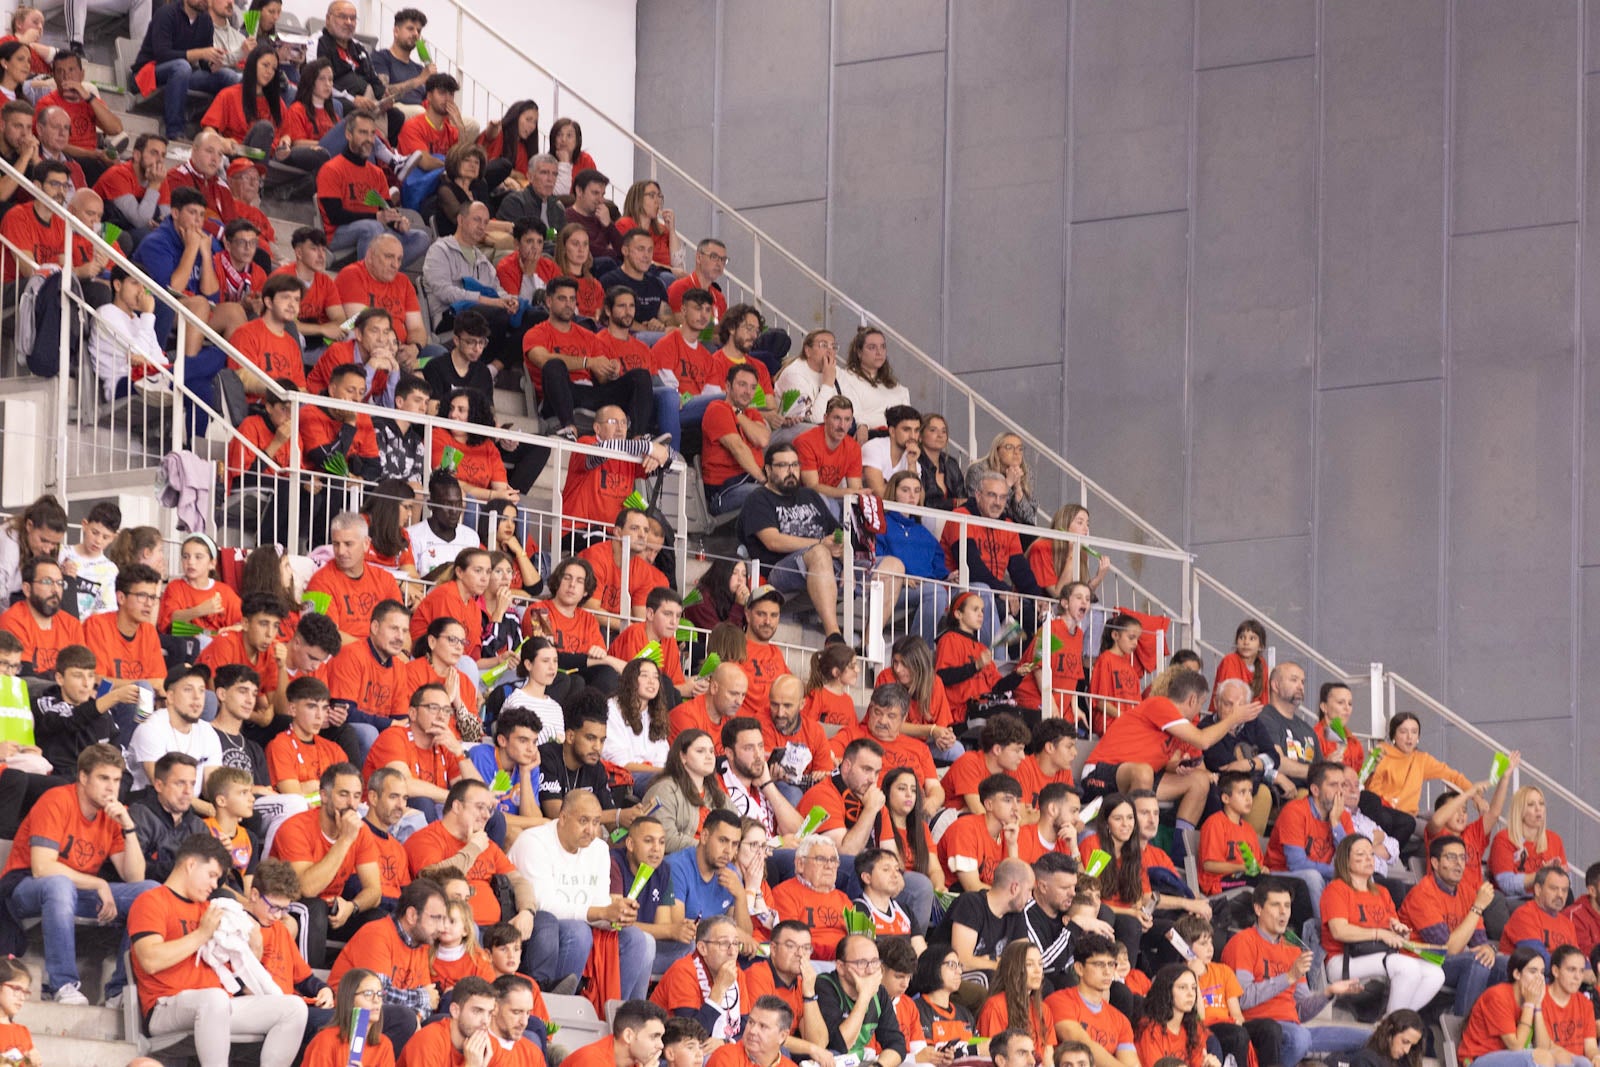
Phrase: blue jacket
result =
(906, 539)
(172, 33)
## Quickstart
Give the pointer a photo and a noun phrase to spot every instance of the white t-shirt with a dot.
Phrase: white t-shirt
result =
(875, 453)
(552, 721)
(430, 550)
(115, 334)
(99, 570)
(622, 746)
(155, 737)
(566, 884)
(871, 401)
(813, 393)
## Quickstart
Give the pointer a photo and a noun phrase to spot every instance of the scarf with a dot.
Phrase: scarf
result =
(729, 1011)
(235, 283)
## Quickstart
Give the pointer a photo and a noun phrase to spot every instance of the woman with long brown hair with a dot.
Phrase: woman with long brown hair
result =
(573, 260)
(686, 789)
(37, 530)
(869, 381)
(636, 731)
(642, 209)
(1016, 1000)
(359, 990)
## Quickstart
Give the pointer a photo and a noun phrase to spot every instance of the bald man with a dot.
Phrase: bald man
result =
(465, 254)
(719, 703)
(352, 65)
(55, 136)
(375, 281)
(799, 747)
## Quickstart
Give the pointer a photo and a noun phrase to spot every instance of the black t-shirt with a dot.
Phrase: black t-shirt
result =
(995, 932)
(243, 753)
(648, 293)
(441, 376)
(1271, 731)
(555, 781)
(801, 514)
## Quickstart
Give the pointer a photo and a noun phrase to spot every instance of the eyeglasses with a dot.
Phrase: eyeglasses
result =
(715, 257)
(277, 911)
(47, 583)
(951, 965)
(19, 988)
(829, 862)
(453, 639)
(371, 996)
(864, 966)
(437, 709)
(149, 598)
(724, 944)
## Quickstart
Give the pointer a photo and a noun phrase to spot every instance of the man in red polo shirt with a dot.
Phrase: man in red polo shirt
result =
(375, 281)
(37, 619)
(1540, 922)
(605, 559)
(353, 587)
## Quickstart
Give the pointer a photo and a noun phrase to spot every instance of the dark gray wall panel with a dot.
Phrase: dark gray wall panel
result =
(1251, 31)
(1589, 290)
(1378, 506)
(888, 28)
(1255, 248)
(1274, 574)
(1250, 463)
(801, 228)
(1516, 101)
(675, 97)
(1125, 329)
(1131, 99)
(773, 147)
(1510, 502)
(890, 122)
(1032, 392)
(999, 57)
(1382, 192)
(1586, 750)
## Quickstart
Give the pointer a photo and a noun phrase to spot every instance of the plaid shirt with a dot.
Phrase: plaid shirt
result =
(399, 454)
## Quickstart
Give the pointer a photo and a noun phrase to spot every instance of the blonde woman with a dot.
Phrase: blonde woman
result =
(1526, 845)
(1007, 457)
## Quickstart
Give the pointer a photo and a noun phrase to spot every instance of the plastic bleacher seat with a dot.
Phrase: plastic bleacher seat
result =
(577, 1020)
(133, 1022)
(1450, 1026)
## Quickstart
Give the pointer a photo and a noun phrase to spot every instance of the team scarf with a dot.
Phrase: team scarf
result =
(234, 282)
(729, 1012)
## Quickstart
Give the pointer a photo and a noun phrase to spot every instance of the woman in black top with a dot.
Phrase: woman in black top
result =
(1395, 1042)
(944, 483)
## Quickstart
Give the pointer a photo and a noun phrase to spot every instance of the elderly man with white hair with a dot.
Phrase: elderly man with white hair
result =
(813, 896)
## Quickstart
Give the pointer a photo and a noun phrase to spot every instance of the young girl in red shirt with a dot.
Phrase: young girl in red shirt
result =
(964, 662)
(833, 672)
(1114, 683)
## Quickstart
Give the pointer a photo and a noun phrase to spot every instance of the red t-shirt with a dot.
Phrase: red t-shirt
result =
(573, 341)
(297, 125)
(1299, 826)
(56, 821)
(1155, 1042)
(445, 600)
(1494, 1016)
(437, 766)
(596, 493)
(809, 733)
(824, 706)
(41, 647)
(116, 656)
(1106, 1026)
(181, 596)
(1505, 857)
(348, 182)
(967, 845)
(1220, 838)
(162, 913)
(679, 988)
(40, 241)
(300, 840)
(689, 362)
(577, 632)
(354, 598)
(85, 131)
(120, 179)
(226, 114)
(1066, 669)
(1033, 779)
(1248, 951)
(1427, 905)
(377, 947)
(319, 429)
(642, 577)
(316, 299)
(1571, 1026)
(693, 714)
(842, 810)
(1114, 676)
(291, 759)
(275, 355)
(326, 1050)
(831, 465)
(957, 648)
(358, 288)
(689, 281)
(434, 843)
(1140, 735)
(419, 134)
(717, 465)
(763, 664)
(337, 355)
(995, 547)
(823, 912)
(1532, 923)
(357, 675)
(962, 777)
(632, 640)
(1370, 910)
(281, 957)
(255, 430)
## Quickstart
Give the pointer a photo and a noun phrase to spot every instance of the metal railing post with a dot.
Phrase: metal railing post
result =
(625, 599)
(961, 553)
(178, 361)
(1375, 685)
(295, 477)
(64, 381)
(848, 565)
(1041, 644)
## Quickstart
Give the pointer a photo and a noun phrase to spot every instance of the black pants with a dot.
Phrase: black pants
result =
(18, 792)
(1396, 824)
(1235, 1040)
(630, 392)
(524, 462)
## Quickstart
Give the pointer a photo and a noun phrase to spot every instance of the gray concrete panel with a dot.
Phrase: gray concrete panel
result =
(1125, 339)
(674, 101)
(1132, 89)
(888, 189)
(802, 229)
(1516, 98)
(1255, 219)
(1510, 507)
(1273, 573)
(1250, 457)
(1231, 32)
(1589, 295)
(884, 28)
(774, 132)
(1377, 526)
(1382, 192)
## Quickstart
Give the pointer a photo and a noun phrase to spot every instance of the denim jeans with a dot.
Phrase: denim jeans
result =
(561, 947)
(1469, 978)
(56, 902)
(358, 235)
(1299, 1040)
(730, 495)
(177, 77)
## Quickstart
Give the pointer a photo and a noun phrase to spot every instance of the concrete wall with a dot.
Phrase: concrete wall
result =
(1306, 283)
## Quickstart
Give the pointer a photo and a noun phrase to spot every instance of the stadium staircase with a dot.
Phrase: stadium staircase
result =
(42, 445)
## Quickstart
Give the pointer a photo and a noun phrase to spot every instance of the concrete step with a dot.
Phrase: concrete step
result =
(79, 1052)
(63, 1020)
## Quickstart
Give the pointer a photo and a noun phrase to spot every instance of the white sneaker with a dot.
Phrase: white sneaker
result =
(71, 994)
(114, 1002)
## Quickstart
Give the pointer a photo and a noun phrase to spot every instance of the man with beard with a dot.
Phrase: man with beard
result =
(327, 846)
(800, 544)
(800, 753)
(396, 949)
(391, 821)
(178, 729)
(748, 780)
(132, 189)
(18, 145)
(512, 1009)
(354, 589)
(568, 369)
(605, 560)
(37, 619)
(763, 663)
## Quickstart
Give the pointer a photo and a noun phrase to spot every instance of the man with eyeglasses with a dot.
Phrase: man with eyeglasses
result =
(125, 643)
(855, 1005)
(1084, 1012)
(429, 756)
(32, 227)
(396, 949)
(596, 486)
(710, 262)
(1440, 912)
(812, 896)
(460, 839)
(707, 985)
(178, 991)
(569, 866)
(788, 975)
(273, 889)
(37, 619)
